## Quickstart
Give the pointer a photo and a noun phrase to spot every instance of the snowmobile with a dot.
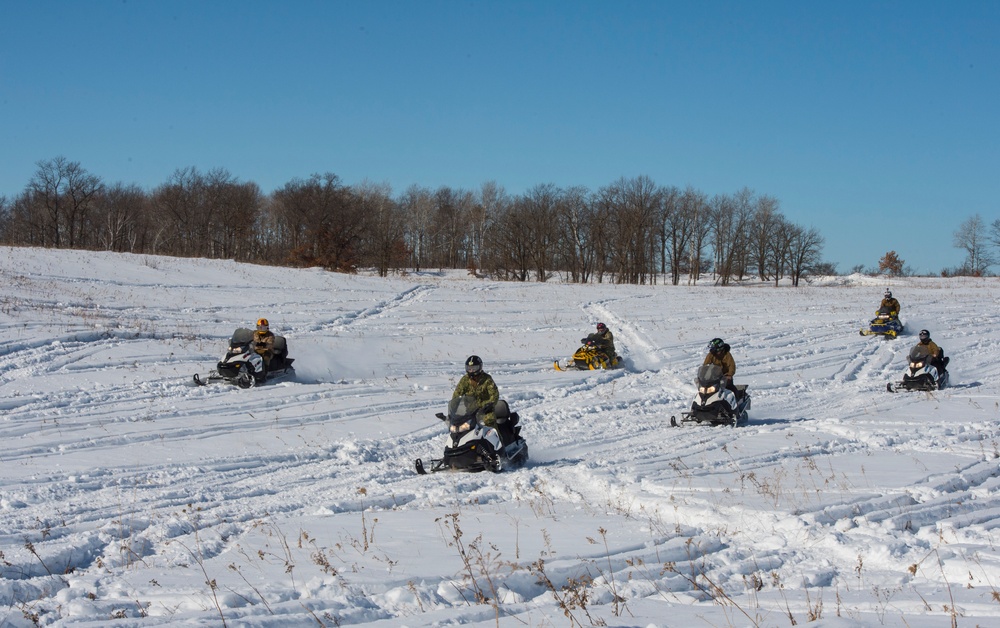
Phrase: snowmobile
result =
(474, 446)
(588, 357)
(243, 366)
(885, 323)
(920, 373)
(715, 404)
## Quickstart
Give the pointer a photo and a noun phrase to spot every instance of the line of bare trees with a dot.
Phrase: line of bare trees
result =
(631, 231)
(981, 244)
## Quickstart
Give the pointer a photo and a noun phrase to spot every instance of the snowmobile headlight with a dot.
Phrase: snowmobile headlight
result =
(458, 429)
(707, 390)
(916, 365)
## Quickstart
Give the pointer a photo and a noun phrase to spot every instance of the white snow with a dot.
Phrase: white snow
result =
(131, 497)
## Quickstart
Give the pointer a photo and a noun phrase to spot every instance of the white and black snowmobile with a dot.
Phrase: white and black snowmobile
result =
(243, 366)
(715, 404)
(922, 373)
(474, 446)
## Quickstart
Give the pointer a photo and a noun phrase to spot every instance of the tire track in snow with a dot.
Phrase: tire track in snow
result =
(349, 319)
(638, 350)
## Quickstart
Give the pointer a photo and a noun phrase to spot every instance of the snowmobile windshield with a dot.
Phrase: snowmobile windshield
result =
(241, 338)
(464, 406)
(885, 310)
(919, 353)
(708, 374)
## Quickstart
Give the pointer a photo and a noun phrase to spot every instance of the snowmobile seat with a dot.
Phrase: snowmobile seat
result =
(501, 411)
(280, 347)
(503, 414)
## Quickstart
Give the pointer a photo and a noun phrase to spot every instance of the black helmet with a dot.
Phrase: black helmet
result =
(888, 293)
(925, 335)
(717, 346)
(474, 365)
(601, 328)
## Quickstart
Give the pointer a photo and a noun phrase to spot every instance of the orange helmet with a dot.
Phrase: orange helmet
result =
(262, 324)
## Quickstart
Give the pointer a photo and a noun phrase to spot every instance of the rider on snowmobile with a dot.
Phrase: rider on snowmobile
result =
(604, 340)
(938, 360)
(480, 385)
(263, 341)
(718, 354)
(890, 303)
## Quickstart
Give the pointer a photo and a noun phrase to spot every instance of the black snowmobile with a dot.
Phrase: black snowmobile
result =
(715, 404)
(243, 366)
(921, 373)
(474, 446)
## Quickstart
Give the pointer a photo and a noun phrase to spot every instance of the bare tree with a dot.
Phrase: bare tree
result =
(492, 202)
(540, 206)
(511, 255)
(767, 220)
(972, 237)
(575, 224)
(385, 248)
(804, 253)
(695, 206)
(179, 203)
(123, 211)
(782, 236)
(730, 219)
(675, 231)
(65, 193)
(418, 208)
(631, 208)
(230, 216)
(6, 220)
(322, 221)
(450, 231)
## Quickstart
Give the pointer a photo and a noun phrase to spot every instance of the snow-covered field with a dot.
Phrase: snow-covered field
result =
(131, 497)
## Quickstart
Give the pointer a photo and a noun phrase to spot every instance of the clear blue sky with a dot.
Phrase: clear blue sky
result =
(876, 122)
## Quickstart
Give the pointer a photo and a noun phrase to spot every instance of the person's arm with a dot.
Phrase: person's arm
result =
(462, 388)
(494, 392)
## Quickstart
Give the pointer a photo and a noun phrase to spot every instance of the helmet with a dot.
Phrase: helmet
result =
(888, 293)
(716, 346)
(925, 335)
(474, 365)
(601, 328)
(262, 324)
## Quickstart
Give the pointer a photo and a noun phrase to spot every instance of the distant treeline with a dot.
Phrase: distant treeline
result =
(631, 231)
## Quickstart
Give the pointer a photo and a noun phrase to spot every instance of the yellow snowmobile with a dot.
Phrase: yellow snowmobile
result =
(588, 357)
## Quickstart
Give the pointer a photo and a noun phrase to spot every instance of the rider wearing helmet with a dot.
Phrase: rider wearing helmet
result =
(936, 352)
(604, 340)
(718, 354)
(479, 384)
(890, 303)
(263, 341)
